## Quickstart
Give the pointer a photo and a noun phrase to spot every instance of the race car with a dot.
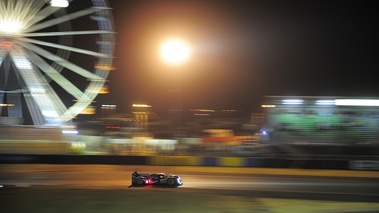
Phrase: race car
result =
(156, 179)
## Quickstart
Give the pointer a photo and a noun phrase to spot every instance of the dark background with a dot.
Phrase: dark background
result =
(242, 51)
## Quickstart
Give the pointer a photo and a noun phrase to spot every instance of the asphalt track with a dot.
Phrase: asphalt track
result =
(106, 188)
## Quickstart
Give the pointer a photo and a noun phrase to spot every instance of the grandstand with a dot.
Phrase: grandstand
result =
(315, 119)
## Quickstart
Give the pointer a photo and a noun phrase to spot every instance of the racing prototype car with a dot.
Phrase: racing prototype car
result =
(156, 179)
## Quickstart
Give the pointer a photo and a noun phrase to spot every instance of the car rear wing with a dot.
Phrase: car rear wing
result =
(134, 176)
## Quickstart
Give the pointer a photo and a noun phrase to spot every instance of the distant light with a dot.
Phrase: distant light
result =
(78, 145)
(141, 105)
(70, 132)
(108, 106)
(356, 102)
(103, 90)
(90, 110)
(292, 101)
(6, 105)
(325, 102)
(59, 3)
(99, 18)
(229, 110)
(112, 127)
(203, 110)
(198, 114)
(104, 67)
(268, 106)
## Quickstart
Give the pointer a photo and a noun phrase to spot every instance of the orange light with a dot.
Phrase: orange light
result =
(104, 67)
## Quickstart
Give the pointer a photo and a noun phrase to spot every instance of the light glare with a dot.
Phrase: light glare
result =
(175, 51)
(10, 27)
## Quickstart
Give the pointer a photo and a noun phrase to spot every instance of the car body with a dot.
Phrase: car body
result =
(156, 179)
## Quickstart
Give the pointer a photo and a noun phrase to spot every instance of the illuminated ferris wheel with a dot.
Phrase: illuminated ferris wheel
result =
(55, 57)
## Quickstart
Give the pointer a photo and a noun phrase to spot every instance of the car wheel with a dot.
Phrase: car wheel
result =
(171, 182)
(139, 181)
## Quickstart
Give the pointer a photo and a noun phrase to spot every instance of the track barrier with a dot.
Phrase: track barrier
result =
(180, 161)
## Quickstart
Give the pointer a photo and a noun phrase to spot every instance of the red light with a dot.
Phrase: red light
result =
(112, 127)
(146, 181)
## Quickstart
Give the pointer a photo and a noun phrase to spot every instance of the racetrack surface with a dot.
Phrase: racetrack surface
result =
(106, 188)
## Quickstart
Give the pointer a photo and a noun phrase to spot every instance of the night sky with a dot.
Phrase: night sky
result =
(243, 51)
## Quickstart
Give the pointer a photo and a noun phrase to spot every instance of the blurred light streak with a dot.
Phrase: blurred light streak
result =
(325, 102)
(292, 101)
(108, 106)
(7, 105)
(70, 132)
(356, 102)
(268, 106)
(90, 110)
(141, 105)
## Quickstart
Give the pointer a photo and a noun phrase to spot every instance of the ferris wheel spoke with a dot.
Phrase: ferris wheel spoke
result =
(42, 14)
(72, 111)
(2, 55)
(68, 33)
(56, 76)
(71, 66)
(48, 101)
(35, 112)
(28, 11)
(62, 19)
(63, 47)
(5, 71)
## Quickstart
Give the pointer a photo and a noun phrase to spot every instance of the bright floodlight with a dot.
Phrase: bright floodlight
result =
(9, 26)
(175, 51)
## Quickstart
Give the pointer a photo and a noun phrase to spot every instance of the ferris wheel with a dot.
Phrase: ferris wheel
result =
(55, 57)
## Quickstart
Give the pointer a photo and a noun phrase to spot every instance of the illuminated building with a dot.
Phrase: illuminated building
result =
(315, 119)
(141, 113)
